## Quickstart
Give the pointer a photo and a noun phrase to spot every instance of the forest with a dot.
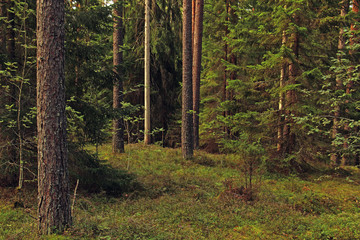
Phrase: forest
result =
(168, 119)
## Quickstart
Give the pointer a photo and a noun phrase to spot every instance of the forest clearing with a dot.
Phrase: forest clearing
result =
(184, 199)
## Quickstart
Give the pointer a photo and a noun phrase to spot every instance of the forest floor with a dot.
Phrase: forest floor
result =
(200, 199)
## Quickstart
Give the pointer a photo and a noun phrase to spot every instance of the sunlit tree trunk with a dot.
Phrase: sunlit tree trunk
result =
(283, 78)
(53, 179)
(147, 138)
(196, 71)
(187, 95)
(118, 123)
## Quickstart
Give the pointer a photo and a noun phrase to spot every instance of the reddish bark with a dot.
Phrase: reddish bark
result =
(196, 71)
(187, 95)
(118, 123)
(53, 184)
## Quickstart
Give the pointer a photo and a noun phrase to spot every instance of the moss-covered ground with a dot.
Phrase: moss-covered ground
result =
(191, 199)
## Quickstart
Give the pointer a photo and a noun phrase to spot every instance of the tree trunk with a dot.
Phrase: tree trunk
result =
(53, 184)
(147, 138)
(283, 78)
(187, 95)
(196, 71)
(224, 90)
(334, 158)
(232, 19)
(193, 13)
(118, 122)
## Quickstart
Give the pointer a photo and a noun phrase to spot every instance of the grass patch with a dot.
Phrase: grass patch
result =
(184, 199)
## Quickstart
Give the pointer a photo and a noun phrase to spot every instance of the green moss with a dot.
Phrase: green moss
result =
(184, 199)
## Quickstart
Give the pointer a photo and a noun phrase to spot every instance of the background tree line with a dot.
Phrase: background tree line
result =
(272, 71)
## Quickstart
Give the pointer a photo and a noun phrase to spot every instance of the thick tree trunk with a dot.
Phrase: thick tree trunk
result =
(118, 123)
(187, 95)
(147, 138)
(196, 71)
(53, 178)
(334, 158)
(283, 78)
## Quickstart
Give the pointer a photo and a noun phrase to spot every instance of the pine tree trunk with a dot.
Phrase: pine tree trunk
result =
(196, 71)
(283, 78)
(232, 19)
(187, 95)
(118, 123)
(2, 51)
(53, 178)
(147, 138)
(225, 83)
(193, 14)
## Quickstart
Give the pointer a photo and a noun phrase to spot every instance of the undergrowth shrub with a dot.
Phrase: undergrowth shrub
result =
(95, 176)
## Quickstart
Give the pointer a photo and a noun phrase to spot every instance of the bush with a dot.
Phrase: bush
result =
(95, 176)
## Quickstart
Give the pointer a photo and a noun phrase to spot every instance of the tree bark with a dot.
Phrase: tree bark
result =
(118, 122)
(196, 71)
(283, 78)
(225, 83)
(187, 95)
(147, 138)
(53, 184)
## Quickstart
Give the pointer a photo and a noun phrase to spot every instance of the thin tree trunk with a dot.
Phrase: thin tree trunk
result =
(187, 95)
(225, 83)
(196, 71)
(283, 78)
(193, 14)
(232, 19)
(118, 123)
(53, 178)
(147, 138)
(334, 158)
(291, 98)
